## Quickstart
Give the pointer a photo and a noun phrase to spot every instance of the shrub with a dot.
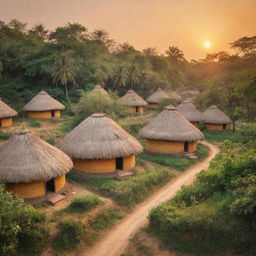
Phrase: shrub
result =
(70, 235)
(106, 218)
(84, 203)
(34, 123)
(4, 135)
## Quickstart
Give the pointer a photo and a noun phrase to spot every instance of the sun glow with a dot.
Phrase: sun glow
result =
(207, 44)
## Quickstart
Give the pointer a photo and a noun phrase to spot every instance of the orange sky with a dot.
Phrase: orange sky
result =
(147, 23)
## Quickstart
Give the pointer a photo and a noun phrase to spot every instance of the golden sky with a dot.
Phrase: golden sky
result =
(147, 23)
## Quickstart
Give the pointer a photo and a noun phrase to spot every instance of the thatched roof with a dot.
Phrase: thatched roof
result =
(98, 89)
(175, 96)
(157, 96)
(43, 102)
(6, 111)
(213, 115)
(189, 111)
(24, 157)
(99, 137)
(132, 99)
(170, 125)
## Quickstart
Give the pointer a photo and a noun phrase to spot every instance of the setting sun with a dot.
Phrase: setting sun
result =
(207, 44)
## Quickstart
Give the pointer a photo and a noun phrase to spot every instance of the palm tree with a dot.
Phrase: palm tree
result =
(134, 76)
(121, 77)
(63, 73)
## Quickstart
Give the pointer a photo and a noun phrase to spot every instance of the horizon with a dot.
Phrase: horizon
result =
(146, 23)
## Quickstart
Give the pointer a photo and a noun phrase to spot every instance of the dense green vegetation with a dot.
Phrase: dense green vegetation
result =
(131, 191)
(83, 203)
(217, 213)
(23, 230)
(179, 163)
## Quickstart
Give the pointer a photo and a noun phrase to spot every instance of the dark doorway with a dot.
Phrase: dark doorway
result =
(119, 163)
(137, 109)
(50, 187)
(186, 146)
(52, 113)
(224, 127)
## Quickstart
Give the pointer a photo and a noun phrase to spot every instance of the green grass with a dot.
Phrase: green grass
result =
(34, 123)
(4, 135)
(83, 203)
(179, 163)
(220, 136)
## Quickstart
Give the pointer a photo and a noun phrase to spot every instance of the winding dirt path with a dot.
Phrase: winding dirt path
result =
(115, 241)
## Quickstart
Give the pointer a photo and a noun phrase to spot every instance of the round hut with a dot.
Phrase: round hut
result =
(6, 115)
(176, 96)
(100, 145)
(216, 120)
(156, 97)
(135, 103)
(189, 111)
(43, 106)
(98, 90)
(170, 133)
(30, 167)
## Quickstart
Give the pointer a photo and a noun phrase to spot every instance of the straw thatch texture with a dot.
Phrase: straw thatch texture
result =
(43, 102)
(6, 111)
(189, 111)
(157, 96)
(98, 89)
(24, 157)
(213, 115)
(132, 99)
(170, 125)
(175, 96)
(99, 137)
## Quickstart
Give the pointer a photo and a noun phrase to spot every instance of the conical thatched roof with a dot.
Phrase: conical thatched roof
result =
(99, 137)
(6, 111)
(132, 99)
(157, 96)
(213, 115)
(98, 89)
(175, 96)
(24, 157)
(189, 111)
(43, 102)
(170, 125)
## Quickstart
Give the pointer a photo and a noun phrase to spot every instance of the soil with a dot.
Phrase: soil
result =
(116, 241)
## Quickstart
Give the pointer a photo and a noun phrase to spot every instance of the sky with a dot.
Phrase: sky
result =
(186, 24)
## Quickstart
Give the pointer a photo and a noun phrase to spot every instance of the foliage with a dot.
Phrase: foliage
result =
(106, 218)
(83, 203)
(34, 123)
(220, 205)
(4, 135)
(70, 235)
(22, 227)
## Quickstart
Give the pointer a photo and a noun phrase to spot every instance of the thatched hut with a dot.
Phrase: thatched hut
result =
(135, 103)
(43, 106)
(6, 115)
(169, 132)
(156, 97)
(100, 145)
(30, 167)
(98, 90)
(176, 96)
(189, 111)
(216, 120)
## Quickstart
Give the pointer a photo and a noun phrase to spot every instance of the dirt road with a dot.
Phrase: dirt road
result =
(115, 242)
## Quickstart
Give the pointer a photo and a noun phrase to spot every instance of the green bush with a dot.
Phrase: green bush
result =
(34, 123)
(83, 203)
(5, 135)
(23, 230)
(70, 235)
(106, 218)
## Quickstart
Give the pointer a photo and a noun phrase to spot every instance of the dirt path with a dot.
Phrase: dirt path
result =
(117, 239)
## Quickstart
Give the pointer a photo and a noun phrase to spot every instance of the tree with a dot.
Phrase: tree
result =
(63, 72)
(39, 31)
(175, 54)
(121, 77)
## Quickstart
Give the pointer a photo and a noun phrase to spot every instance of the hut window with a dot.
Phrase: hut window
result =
(137, 109)
(119, 163)
(224, 127)
(186, 146)
(50, 187)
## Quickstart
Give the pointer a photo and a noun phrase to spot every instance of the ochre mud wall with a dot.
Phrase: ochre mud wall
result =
(6, 122)
(40, 115)
(217, 127)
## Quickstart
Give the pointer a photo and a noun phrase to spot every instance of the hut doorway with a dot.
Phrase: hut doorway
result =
(224, 127)
(186, 146)
(50, 187)
(119, 163)
(52, 113)
(137, 109)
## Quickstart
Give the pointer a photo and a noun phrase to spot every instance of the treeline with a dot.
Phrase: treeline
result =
(70, 58)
